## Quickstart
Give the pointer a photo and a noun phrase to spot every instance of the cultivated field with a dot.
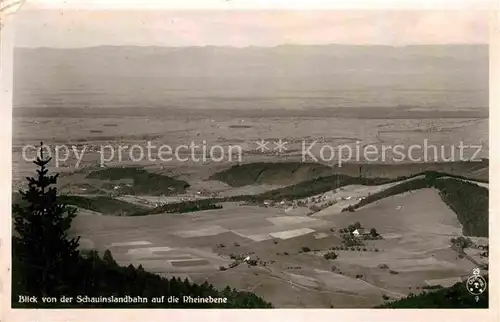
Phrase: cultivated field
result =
(416, 228)
(97, 133)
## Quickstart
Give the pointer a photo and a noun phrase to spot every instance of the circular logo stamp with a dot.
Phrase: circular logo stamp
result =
(476, 284)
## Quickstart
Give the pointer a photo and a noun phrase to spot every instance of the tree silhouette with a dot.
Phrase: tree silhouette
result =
(46, 261)
(40, 242)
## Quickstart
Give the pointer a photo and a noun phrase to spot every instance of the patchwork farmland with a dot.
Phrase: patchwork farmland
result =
(277, 247)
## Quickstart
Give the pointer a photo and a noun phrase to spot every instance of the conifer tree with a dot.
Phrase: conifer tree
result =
(46, 261)
(43, 250)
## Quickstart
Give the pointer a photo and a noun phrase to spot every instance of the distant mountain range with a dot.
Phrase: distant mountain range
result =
(287, 76)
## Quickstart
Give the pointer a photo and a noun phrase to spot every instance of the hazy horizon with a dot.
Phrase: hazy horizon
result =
(241, 59)
(291, 77)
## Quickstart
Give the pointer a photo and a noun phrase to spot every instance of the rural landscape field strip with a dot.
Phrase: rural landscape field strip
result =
(469, 201)
(160, 255)
(464, 197)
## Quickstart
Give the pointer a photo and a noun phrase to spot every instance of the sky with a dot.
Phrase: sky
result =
(240, 28)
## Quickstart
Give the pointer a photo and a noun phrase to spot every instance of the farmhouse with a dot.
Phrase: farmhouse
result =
(359, 232)
(268, 203)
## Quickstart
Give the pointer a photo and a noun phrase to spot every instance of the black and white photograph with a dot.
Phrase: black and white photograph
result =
(272, 159)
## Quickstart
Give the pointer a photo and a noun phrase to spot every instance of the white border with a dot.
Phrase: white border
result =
(262, 4)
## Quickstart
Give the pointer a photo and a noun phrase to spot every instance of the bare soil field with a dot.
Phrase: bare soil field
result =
(417, 228)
